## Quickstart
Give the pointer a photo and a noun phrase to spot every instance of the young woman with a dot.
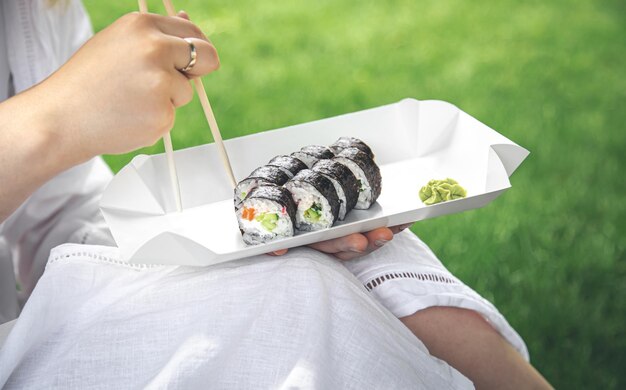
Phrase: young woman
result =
(301, 320)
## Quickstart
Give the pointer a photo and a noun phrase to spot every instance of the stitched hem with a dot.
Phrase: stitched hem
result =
(421, 276)
(98, 253)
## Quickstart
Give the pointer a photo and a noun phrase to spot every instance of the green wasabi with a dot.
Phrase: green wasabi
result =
(437, 191)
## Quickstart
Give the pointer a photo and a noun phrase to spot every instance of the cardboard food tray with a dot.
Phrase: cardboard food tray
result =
(414, 141)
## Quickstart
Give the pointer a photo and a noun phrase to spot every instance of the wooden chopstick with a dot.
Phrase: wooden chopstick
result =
(167, 142)
(208, 112)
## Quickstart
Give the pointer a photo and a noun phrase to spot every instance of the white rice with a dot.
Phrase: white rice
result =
(304, 195)
(254, 231)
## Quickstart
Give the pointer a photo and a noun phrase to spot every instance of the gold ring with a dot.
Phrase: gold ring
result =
(193, 56)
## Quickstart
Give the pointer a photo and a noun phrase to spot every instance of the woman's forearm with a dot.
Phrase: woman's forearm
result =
(31, 150)
(463, 339)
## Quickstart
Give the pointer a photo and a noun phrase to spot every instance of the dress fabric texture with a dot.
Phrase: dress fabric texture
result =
(302, 320)
(298, 321)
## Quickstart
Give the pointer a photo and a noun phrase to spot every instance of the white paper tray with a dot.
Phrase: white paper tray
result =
(414, 141)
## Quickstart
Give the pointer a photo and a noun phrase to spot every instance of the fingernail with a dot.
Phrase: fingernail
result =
(355, 250)
(380, 243)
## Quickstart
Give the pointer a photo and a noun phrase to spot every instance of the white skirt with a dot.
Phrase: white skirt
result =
(297, 321)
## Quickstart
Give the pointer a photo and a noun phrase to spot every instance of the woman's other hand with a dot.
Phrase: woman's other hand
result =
(355, 245)
(120, 90)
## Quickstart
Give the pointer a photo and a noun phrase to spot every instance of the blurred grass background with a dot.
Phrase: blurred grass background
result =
(550, 253)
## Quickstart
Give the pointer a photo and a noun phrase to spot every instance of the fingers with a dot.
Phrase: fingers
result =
(399, 228)
(370, 242)
(353, 243)
(346, 256)
(344, 248)
(178, 26)
(183, 14)
(207, 59)
(175, 30)
(182, 92)
(378, 237)
(278, 252)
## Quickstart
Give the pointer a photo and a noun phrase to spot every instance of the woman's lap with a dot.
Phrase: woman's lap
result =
(299, 320)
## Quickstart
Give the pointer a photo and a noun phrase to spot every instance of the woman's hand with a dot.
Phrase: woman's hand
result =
(116, 94)
(355, 245)
(120, 90)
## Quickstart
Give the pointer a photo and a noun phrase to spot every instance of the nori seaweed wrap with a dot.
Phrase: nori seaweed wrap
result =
(267, 213)
(366, 172)
(316, 200)
(345, 183)
(262, 175)
(351, 142)
(312, 153)
(289, 164)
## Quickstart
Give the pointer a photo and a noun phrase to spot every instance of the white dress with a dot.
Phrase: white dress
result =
(297, 321)
(303, 320)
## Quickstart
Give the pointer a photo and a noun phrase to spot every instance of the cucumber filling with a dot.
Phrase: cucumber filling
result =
(313, 213)
(268, 220)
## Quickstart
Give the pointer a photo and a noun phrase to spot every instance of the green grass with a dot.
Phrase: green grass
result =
(550, 253)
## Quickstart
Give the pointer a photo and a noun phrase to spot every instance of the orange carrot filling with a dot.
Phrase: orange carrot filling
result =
(248, 213)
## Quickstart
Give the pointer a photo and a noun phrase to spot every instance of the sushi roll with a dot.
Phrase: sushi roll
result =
(312, 153)
(262, 175)
(344, 181)
(288, 164)
(268, 213)
(351, 142)
(317, 204)
(367, 174)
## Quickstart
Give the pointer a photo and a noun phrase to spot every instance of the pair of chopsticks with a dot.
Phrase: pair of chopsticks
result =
(210, 117)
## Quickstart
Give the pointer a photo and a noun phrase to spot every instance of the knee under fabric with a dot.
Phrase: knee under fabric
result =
(405, 276)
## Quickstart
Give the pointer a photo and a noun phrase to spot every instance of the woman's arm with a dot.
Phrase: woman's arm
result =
(116, 94)
(29, 155)
(468, 343)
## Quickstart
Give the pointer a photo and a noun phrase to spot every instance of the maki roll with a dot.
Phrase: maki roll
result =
(317, 204)
(288, 164)
(312, 153)
(268, 213)
(367, 174)
(351, 142)
(262, 175)
(345, 183)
